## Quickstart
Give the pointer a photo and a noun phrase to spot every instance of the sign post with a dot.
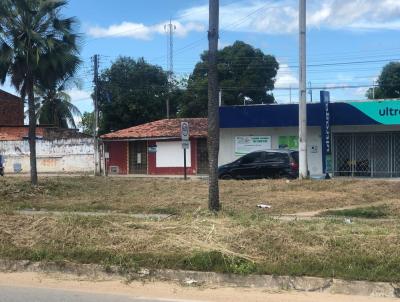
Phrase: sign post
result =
(185, 144)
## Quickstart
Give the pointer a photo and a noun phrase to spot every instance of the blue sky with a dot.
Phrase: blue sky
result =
(339, 31)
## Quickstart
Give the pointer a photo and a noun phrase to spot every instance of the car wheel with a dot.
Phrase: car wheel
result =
(226, 177)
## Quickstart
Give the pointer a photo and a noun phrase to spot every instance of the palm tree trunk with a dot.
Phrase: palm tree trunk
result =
(213, 107)
(32, 133)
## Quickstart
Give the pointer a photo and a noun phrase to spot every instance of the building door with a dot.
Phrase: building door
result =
(202, 156)
(366, 154)
(138, 157)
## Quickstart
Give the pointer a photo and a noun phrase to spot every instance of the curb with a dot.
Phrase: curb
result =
(192, 278)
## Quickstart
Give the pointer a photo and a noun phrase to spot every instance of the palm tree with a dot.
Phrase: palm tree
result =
(37, 47)
(54, 107)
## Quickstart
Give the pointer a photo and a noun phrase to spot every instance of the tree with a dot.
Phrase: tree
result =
(243, 72)
(37, 47)
(87, 123)
(388, 83)
(55, 107)
(131, 92)
(213, 113)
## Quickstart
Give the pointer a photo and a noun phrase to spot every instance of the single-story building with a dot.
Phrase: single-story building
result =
(156, 149)
(360, 138)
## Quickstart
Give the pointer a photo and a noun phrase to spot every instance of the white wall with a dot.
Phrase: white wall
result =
(68, 155)
(170, 155)
(227, 143)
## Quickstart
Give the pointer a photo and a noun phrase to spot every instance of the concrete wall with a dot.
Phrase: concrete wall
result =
(55, 156)
(227, 143)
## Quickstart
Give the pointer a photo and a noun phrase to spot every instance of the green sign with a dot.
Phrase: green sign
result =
(289, 142)
(384, 112)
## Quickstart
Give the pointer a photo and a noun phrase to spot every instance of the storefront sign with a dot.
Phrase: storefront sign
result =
(326, 132)
(289, 142)
(384, 112)
(247, 144)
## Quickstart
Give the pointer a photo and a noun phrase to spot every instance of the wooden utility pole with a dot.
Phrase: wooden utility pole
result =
(303, 165)
(213, 106)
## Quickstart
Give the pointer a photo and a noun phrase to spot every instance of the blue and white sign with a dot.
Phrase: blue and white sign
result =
(326, 132)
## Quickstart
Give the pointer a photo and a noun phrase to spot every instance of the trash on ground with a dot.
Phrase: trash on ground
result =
(264, 206)
(348, 221)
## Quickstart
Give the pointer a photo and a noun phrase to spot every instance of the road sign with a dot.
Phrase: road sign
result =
(185, 144)
(185, 131)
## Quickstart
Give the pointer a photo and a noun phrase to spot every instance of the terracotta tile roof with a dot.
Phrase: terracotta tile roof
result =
(161, 129)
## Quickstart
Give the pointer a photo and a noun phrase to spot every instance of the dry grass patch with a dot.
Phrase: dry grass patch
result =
(366, 250)
(175, 196)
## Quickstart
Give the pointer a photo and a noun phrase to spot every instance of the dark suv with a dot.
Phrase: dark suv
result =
(262, 164)
(1, 165)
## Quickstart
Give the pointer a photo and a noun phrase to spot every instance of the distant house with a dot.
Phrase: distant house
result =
(11, 110)
(155, 148)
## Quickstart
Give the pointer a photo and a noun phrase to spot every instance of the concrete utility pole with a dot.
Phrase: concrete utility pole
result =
(96, 115)
(303, 164)
(213, 106)
(170, 29)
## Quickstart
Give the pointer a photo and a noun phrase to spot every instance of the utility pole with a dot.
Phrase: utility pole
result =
(170, 29)
(96, 115)
(373, 89)
(213, 108)
(303, 164)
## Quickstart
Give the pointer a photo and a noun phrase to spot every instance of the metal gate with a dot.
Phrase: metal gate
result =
(202, 156)
(138, 157)
(366, 154)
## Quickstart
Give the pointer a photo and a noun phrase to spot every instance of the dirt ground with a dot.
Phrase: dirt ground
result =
(160, 290)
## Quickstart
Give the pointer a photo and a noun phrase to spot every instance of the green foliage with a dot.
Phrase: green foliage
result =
(54, 106)
(243, 71)
(132, 92)
(366, 212)
(87, 123)
(388, 83)
(37, 46)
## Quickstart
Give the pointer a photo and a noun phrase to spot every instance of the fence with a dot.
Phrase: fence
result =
(366, 154)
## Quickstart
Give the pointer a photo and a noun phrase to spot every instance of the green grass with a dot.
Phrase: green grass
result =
(363, 250)
(362, 212)
(241, 239)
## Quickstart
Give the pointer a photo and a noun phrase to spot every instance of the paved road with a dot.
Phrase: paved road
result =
(20, 294)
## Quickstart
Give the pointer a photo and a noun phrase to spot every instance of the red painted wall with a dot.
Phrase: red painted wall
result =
(118, 156)
(173, 170)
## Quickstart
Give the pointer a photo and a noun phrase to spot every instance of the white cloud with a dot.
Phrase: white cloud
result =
(281, 17)
(78, 95)
(143, 32)
(286, 77)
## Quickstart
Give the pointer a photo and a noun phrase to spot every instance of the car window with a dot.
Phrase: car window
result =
(295, 156)
(255, 157)
(277, 157)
